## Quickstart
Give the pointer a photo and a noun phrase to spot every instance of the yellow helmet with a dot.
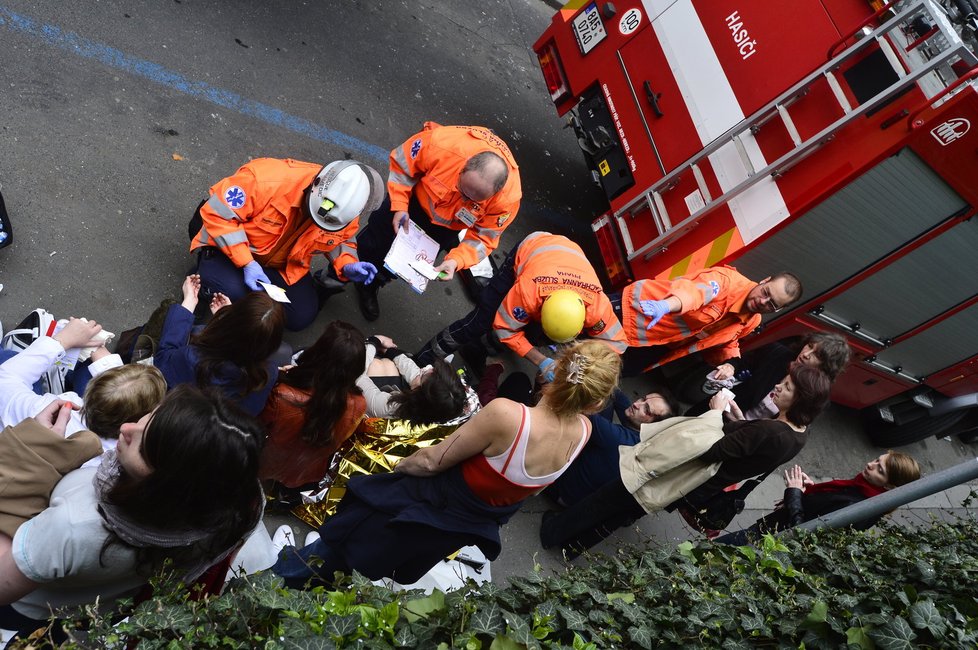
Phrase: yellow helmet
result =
(562, 315)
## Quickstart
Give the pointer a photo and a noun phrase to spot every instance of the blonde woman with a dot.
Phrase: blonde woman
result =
(461, 490)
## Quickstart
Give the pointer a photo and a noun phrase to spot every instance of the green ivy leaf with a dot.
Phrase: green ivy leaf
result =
(311, 642)
(895, 634)
(857, 636)
(685, 549)
(924, 615)
(547, 610)
(340, 626)
(819, 613)
(573, 619)
(926, 572)
(519, 628)
(581, 644)
(422, 607)
(503, 642)
(488, 619)
(405, 638)
(628, 597)
(641, 636)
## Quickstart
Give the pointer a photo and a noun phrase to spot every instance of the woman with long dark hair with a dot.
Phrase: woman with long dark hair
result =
(461, 490)
(232, 352)
(395, 387)
(314, 408)
(181, 486)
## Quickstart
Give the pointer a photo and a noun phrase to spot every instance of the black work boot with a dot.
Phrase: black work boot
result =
(367, 297)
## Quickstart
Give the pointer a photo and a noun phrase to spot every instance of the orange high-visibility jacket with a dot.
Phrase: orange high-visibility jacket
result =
(259, 214)
(544, 264)
(429, 164)
(710, 318)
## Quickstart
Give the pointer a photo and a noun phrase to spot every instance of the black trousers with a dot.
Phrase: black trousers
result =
(590, 521)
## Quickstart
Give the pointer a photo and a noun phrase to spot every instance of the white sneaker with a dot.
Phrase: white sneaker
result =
(310, 538)
(283, 537)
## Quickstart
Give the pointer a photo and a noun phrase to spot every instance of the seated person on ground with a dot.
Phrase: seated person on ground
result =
(314, 407)
(115, 395)
(598, 463)
(460, 491)
(650, 479)
(766, 366)
(396, 388)
(805, 500)
(233, 351)
(161, 496)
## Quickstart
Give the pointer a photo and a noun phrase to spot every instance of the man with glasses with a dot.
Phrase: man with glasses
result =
(708, 312)
(446, 179)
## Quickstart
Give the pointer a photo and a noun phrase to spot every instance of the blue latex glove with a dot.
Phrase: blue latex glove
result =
(253, 274)
(547, 367)
(655, 310)
(360, 271)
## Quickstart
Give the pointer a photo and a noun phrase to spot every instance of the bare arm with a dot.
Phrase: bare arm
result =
(477, 436)
(14, 585)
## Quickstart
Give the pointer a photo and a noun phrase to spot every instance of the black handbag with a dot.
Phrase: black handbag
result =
(718, 511)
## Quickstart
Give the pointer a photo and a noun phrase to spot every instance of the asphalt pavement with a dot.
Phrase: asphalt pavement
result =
(119, 115)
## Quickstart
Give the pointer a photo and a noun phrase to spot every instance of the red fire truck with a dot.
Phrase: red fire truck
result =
(837, 139)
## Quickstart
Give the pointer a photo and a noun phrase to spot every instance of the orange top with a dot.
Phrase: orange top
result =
(286, 457)
(544, 264)
(259, 214)
(710, 318)
(429, 164)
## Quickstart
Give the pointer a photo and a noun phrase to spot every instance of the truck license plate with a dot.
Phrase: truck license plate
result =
(588, 28)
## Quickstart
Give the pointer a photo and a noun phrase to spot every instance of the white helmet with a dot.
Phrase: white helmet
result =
(342, 191)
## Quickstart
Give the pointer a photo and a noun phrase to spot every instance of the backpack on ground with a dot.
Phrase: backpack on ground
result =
(37, 324)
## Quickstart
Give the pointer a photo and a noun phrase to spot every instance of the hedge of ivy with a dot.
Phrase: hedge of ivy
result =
(891, 588)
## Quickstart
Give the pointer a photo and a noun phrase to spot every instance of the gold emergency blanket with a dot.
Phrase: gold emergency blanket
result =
(376, 447)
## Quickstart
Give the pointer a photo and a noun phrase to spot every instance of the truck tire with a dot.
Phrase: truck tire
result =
(905, 434)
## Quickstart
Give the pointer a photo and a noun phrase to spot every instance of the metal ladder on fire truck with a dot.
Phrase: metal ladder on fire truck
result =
(924, 59)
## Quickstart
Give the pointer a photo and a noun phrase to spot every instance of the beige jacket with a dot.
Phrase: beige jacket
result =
(663, 466)
(33, 459)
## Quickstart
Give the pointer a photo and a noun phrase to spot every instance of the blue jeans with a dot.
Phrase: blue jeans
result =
(297, 565)
(218, 274)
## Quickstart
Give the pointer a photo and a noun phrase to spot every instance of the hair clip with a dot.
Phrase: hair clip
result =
(576, 368)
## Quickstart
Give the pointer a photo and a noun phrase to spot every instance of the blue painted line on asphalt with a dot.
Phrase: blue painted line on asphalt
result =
(156, 73)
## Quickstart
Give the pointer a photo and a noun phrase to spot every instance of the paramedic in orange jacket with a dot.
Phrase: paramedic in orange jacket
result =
(445, 179)
(707, 312)
(264, 224)
(526, 301)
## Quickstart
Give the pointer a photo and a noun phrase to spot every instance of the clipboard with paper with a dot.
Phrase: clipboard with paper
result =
(411, 257)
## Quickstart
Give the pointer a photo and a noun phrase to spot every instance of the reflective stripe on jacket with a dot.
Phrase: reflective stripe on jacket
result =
(544, 264)
(710, 317)
(253, 215)
(429, 164)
